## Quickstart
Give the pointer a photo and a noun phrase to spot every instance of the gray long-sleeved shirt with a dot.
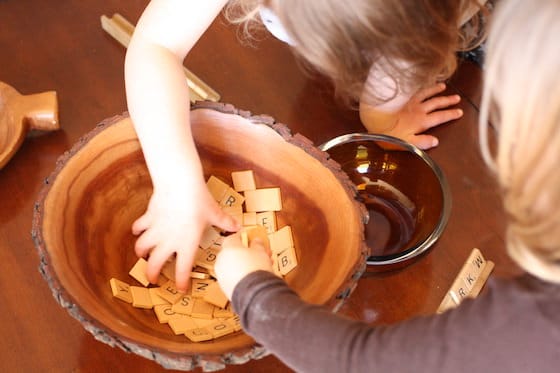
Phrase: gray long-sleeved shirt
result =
(514, 326)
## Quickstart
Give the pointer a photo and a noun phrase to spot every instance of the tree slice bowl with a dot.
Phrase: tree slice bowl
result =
(83, 217)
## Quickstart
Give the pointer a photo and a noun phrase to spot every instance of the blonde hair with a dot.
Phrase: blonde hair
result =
(345, 39)
(521, 96)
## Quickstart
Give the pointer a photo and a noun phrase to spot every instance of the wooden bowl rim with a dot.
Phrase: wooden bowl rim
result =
(168, 359)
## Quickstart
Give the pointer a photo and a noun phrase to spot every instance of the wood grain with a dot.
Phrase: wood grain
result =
(82, 225)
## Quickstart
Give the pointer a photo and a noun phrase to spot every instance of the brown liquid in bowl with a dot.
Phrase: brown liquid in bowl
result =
(402, 193)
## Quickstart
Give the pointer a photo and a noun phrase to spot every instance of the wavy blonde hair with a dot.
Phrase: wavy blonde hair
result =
(521, 96)
(345, 39)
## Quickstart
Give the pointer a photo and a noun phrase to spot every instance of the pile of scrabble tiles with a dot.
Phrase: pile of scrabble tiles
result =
(203, 313)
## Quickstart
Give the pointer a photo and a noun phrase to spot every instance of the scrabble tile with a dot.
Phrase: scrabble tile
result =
(217, 188)
(281, 240)
(164, 313)
(199, 275)
(120, 290)
(222, 313)
(156, 298)
(235, 322)
(244, 238)
(243, 180)
(209, 236)
(275, 266)
(287, 260)
(200, 287)
(214, 295)
(141, 297)
(181, 325)
(232, 198)
(184, 305)
(220, 328)
(203, 323)
(138, 272)
(265, 199)
(199, 335)
(206, 258)
(267, 219)
(169, 292)
(249, 218)
(217, 245)
(202, 309)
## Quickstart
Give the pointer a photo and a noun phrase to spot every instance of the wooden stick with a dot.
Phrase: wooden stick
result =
(121, 30)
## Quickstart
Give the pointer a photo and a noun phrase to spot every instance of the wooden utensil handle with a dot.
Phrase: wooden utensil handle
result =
(40, 110)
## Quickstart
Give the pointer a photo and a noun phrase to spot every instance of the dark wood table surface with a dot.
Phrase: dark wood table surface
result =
(60, 46)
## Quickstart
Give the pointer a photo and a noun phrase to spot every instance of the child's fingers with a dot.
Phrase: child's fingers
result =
(428, 92)
(183, 267)
(158, 257)
(141, 224)
(425, 141)
(440, 102)
(258, 244)
(225, 221)
(441, 116)
(145, 243)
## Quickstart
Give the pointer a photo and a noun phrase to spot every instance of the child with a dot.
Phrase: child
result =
(515, 325)
(386, 55)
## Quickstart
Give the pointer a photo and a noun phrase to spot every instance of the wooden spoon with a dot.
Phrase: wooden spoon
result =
(22, 113)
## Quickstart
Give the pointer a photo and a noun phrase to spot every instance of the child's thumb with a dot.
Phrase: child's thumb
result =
(226, 222)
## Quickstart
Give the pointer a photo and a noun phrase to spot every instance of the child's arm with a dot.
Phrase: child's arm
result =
(158, 101)
(308, 338)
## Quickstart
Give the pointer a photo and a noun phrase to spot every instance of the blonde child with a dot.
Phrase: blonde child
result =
(515, 325)
(388, 56)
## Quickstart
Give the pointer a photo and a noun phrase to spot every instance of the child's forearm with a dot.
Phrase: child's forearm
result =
(158, 102)
(157, 93)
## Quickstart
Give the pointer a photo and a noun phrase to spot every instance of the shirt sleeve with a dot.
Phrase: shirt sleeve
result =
(477, 336)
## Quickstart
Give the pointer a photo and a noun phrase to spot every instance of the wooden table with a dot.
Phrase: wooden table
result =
(60, 46)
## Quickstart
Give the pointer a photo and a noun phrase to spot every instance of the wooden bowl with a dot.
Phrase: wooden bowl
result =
(83, 217)
(404, 190)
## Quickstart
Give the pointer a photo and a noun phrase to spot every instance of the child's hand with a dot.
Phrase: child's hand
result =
(422, 112)
(236, 261)
(173, 223)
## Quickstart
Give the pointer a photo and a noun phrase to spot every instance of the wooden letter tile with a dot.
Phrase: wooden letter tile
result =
(206, 258)
(217, 188)
(214, 295)
(181, 324)
(287, 260)
(209, 236)
(200, 287)
(265, 199)
(243, 180)
(141, 297)
(249, 218)
(281, 240)
(164, 313)
(199, 335)
(120, 290)
(156, 298)
(232, 198)
(202, 309)
(220, 328)
(169, 292)
(138, 272)
(267, 219)
(184, 305)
